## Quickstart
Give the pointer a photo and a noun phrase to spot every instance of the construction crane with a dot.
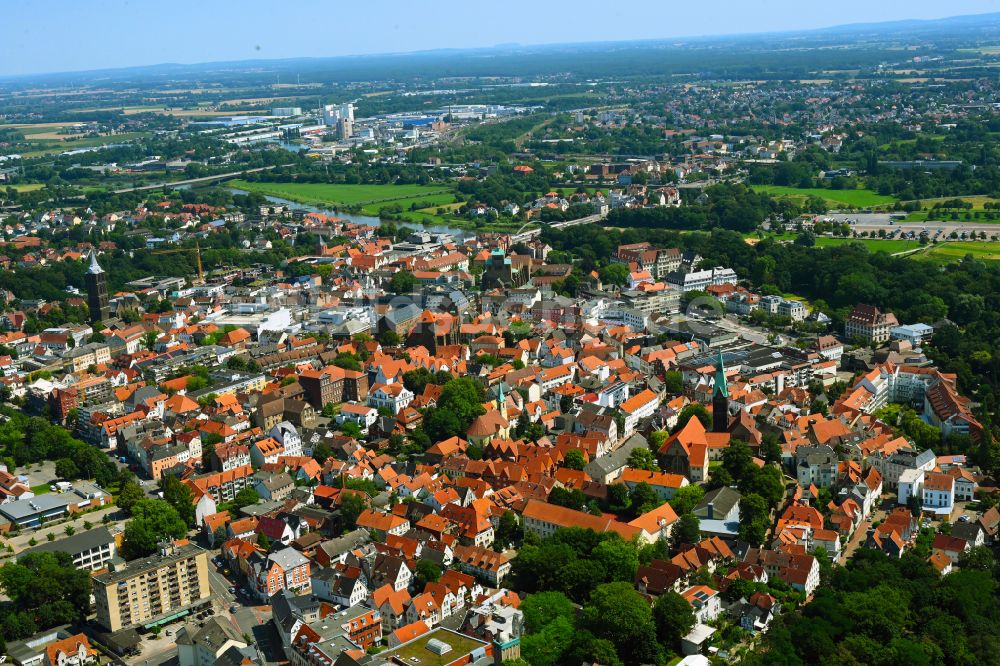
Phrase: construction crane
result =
(197, 254)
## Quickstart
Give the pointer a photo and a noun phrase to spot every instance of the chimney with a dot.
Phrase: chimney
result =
(711, 510)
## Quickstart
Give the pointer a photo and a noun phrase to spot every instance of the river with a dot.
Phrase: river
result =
(458, 234)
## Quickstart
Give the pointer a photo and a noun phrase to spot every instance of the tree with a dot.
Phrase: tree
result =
(264, 541)
(459, 404)
(321, 452)
(402, 282)
(642, 458)
(617, 613)
(547, 647)
(426, 572)
(674, 618)
(619, 558)
(616, 274)
(179, 496)
(574, 459)
(46, 590)
(978, 558)
(755, 518)
(149, 339)
(248, 496)
(130, 493)
(770, 448)
(389, 338)
(542, 608)
(673, 382)
(686, 498)
(351, 506)
(686, 531)
(152, 521)
(351, 429)
(508, 531)
(67, 469)
(694, 409)
(643, 498)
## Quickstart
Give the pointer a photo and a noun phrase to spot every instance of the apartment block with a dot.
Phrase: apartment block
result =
(154, 589)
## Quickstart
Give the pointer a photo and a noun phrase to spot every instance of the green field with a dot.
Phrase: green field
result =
(350, 195)
(856, 198)
(873, 244)
(420, 203)
(952, 251)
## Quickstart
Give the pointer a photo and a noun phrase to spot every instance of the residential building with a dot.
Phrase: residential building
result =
(153, 589)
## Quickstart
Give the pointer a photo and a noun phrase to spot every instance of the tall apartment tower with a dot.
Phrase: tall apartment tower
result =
(97, 290)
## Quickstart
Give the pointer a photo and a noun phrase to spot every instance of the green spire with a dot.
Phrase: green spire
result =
(500, 395)
(720, 378)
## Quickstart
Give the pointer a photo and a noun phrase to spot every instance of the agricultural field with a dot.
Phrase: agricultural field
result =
(834, 198)
(50, 142)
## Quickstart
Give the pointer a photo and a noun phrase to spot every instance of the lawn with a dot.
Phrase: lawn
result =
(856, 198)
(873, 244)
(419, 202)
(952, 251)
(41, 489)
(350, 195)
(28, 187)
(416, 652)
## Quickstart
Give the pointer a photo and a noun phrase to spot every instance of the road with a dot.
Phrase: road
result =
(730, 323)
(534, 233)
(248, 620)
(194, 181)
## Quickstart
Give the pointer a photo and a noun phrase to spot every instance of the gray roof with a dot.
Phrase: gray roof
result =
(722, 500)
(212, 634)
(78, 543)
(26, 508)
(288, 558)
(617, 458)
(345, 544)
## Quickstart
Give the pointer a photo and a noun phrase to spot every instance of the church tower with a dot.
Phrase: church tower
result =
(720, 398)
(502, 403)
(97, 291)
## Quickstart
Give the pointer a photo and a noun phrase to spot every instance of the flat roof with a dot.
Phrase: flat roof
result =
(417, 653)
(134, 568)
(77, 543)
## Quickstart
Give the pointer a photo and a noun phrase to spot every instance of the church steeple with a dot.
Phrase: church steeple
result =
(501, 401)
(720, 398)
(97, 290)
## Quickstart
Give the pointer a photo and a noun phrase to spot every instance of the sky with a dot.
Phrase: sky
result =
(39, 36)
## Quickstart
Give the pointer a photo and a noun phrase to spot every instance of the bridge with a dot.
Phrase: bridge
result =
(195, 181)
(522, 236)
